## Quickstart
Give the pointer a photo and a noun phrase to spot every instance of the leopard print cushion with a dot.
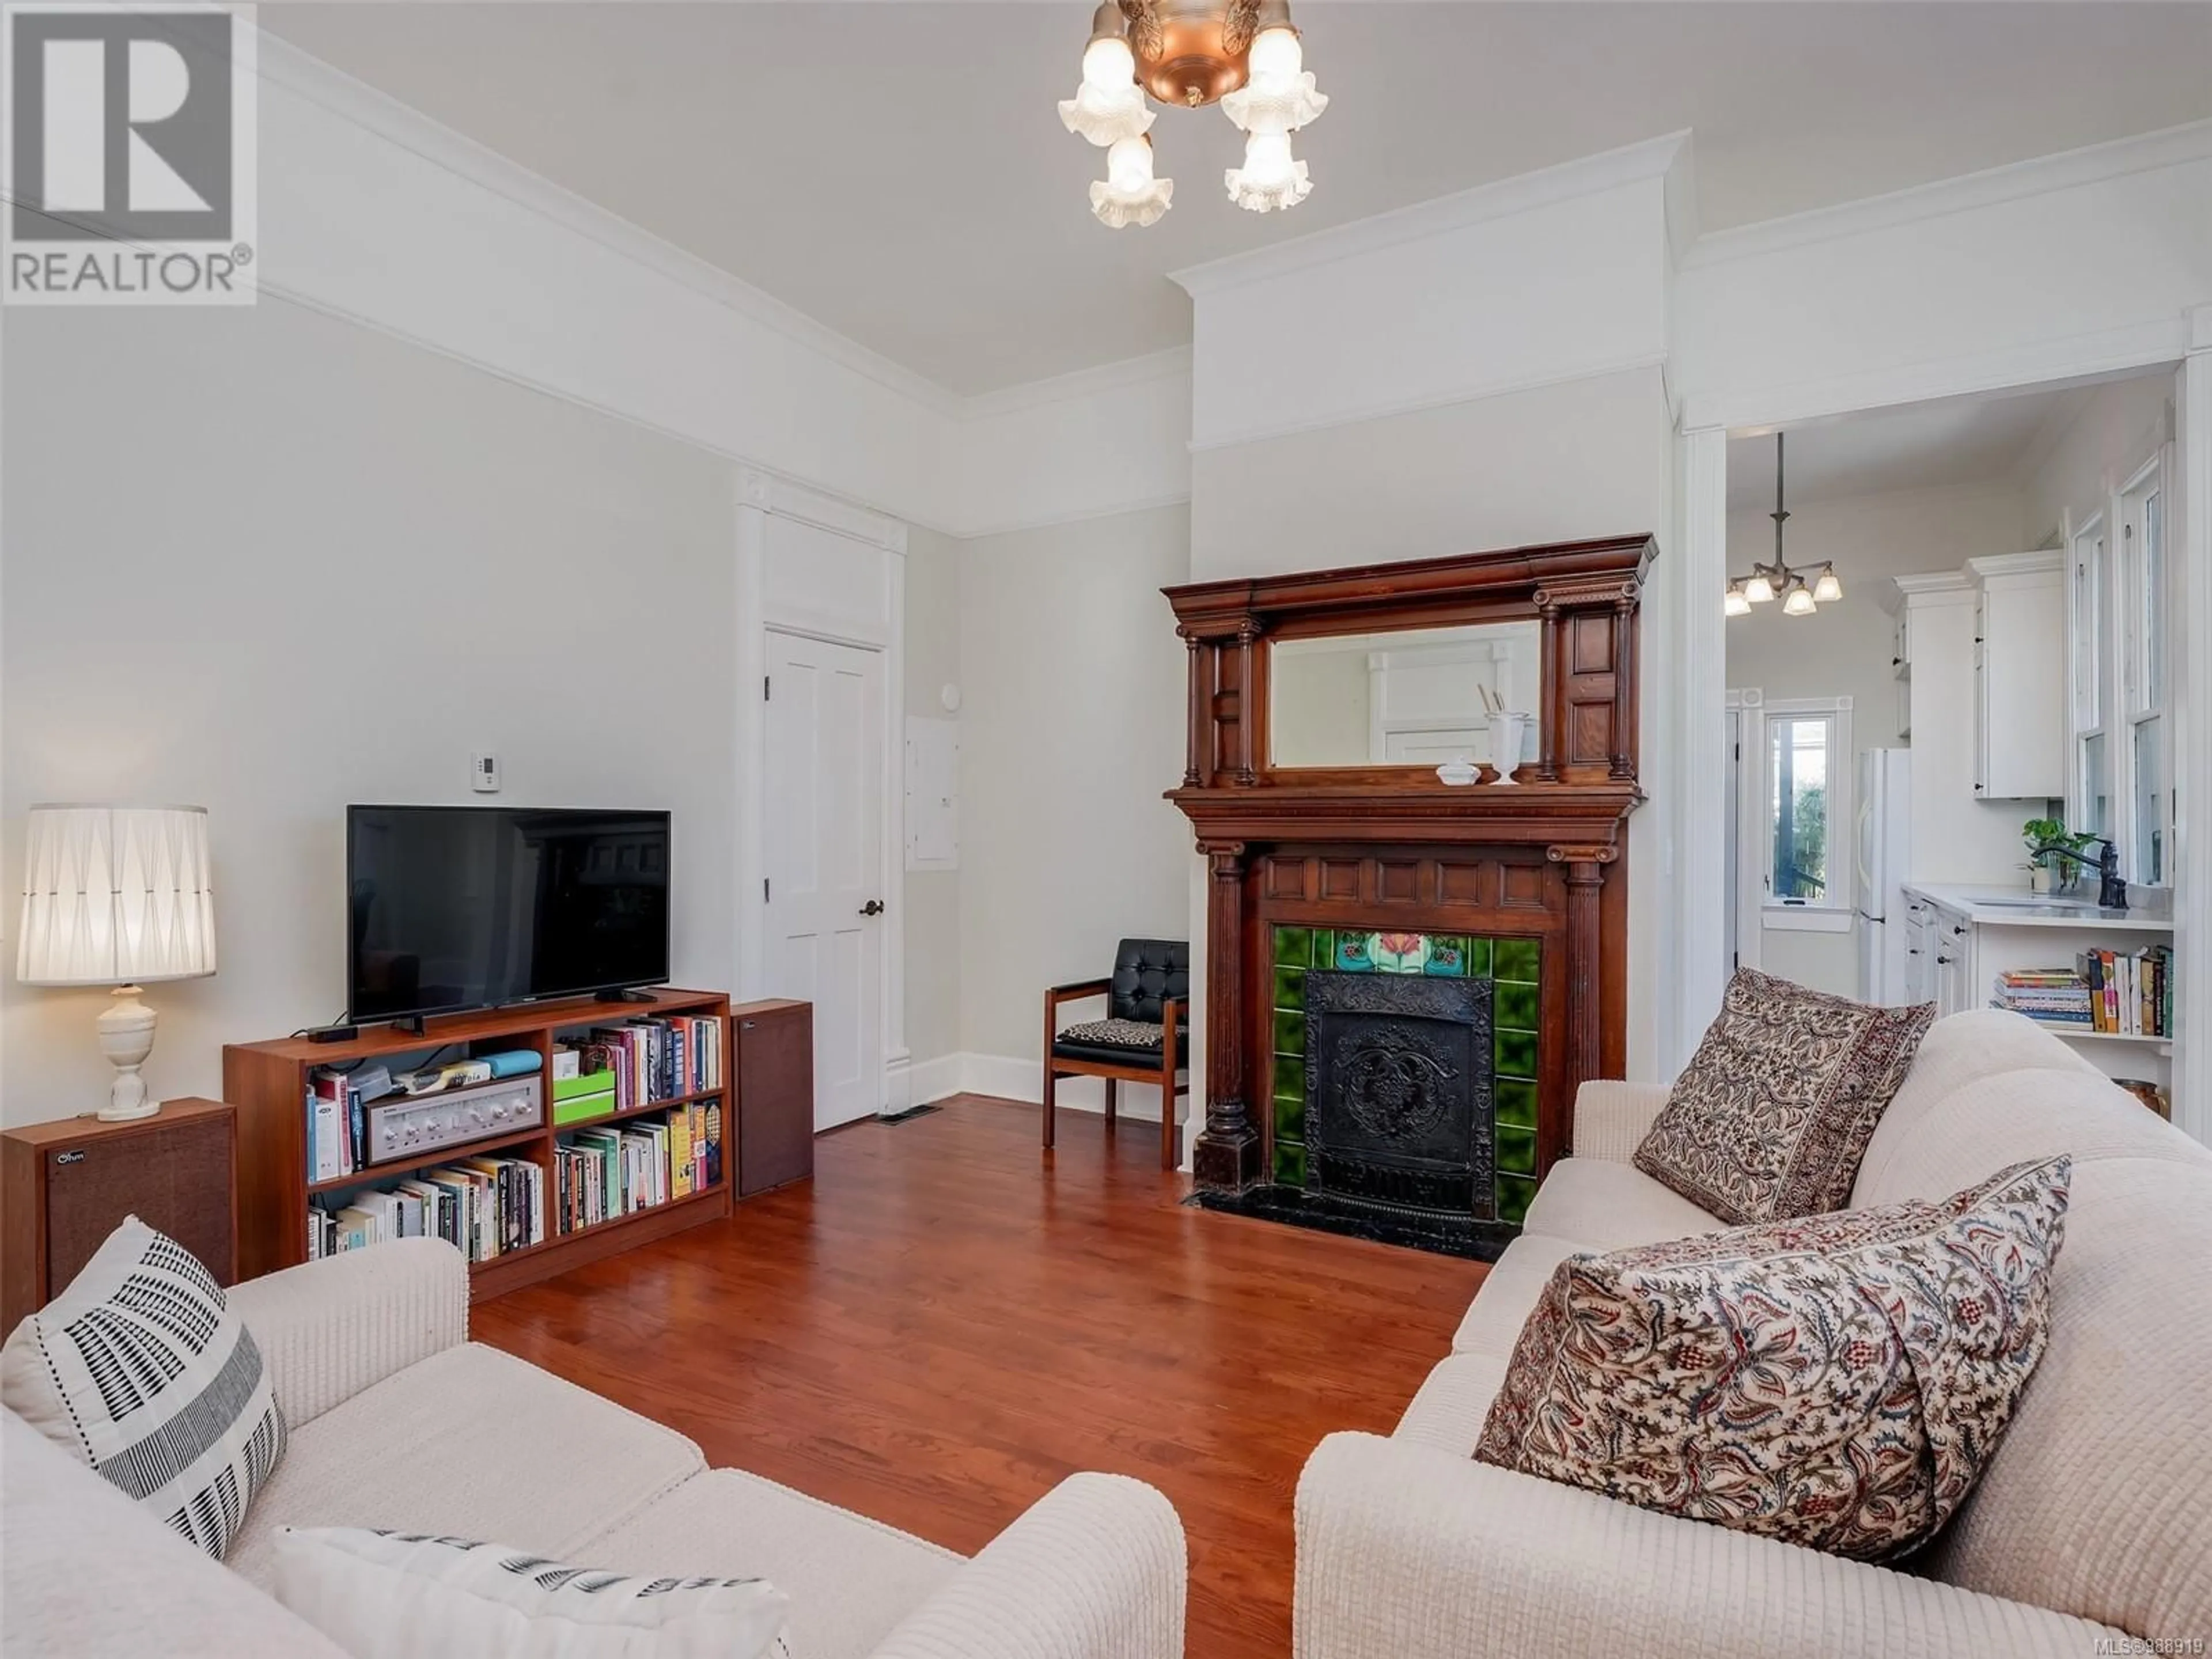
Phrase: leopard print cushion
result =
(1116, 1033)
(1771, 1116)
(1837, 1382)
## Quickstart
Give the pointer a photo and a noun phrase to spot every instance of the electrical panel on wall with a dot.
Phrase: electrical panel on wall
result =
(933, 793)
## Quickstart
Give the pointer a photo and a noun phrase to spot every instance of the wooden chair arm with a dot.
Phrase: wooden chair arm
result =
(1077, 991)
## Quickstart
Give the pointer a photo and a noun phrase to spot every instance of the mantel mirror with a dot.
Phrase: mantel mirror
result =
(1414, 697)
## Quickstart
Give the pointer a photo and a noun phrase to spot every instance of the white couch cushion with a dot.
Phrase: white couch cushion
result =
(851, 1580)
(400, 1595)
(1508, 1290)
(474, 1443)
(1958, 1049)
(1449, 1410)
(2012, 1117)
(87, 1574)
(1609, 1206)
(2099, 1502)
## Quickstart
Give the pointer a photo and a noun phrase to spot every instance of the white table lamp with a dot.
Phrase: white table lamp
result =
(118, 896)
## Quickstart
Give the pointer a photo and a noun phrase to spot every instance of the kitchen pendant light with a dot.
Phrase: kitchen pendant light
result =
(1768, 582)
(1243, 54)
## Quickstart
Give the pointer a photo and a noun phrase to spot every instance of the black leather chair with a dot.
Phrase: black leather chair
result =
(1147, 1008)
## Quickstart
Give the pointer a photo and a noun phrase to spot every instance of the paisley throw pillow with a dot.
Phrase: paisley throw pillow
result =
(1772, 1115)
(1839, 1381)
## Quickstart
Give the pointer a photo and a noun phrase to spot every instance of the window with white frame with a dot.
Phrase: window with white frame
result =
(1807, 813)
(2093, 772)
(2149, 734)
(2120, 610)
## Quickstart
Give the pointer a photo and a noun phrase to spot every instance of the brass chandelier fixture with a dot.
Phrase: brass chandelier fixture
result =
(1770, 582)
(1241, 54)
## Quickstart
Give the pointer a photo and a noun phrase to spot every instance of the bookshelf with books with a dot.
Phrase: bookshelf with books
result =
(649, 1080)
(2101, 980)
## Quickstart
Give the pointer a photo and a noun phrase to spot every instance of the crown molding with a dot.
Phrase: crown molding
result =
(1653, 158)
(1475, 394)
(285, 65)
(2067, 170)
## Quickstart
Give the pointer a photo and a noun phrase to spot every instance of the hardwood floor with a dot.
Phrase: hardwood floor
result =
(940, 1327)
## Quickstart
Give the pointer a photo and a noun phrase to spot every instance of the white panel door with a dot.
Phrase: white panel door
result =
(825, 860)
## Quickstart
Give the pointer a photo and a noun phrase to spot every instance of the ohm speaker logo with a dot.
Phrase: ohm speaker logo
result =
(129, 167)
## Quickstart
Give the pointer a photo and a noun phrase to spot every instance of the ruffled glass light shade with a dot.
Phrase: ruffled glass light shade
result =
(1128, 194)
(1107, 115)
(1257, 108)
(1119, 208)
(1269, 179)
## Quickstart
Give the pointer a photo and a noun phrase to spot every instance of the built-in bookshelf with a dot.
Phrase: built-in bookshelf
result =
(692, 1132)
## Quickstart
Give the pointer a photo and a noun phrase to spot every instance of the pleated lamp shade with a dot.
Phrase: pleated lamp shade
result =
(116, 896)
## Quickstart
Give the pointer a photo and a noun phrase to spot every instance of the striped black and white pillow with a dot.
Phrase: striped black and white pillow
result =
(382, 1594)
(141, 1370)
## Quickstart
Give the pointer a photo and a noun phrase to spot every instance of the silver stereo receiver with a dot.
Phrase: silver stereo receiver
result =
(408, 1127)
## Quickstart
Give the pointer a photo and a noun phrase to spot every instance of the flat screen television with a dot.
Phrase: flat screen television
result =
(455, 908)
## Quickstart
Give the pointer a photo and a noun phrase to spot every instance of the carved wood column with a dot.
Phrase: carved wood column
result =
(1197, 725)
(1248, 759)
(1585, 871)
(1226, 1155)
(1624, 683)
(1547, 717)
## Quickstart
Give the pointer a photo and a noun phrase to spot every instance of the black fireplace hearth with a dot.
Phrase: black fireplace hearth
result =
(1399, 1115)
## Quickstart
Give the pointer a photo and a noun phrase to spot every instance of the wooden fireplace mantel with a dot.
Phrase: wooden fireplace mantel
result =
(1385, 847)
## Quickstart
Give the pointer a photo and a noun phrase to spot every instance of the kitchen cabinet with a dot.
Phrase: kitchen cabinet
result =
(2019, 677)
(1919, 952)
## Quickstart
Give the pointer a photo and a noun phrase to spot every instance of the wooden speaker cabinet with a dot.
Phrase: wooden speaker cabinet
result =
(65, 1185)
(774, 1050)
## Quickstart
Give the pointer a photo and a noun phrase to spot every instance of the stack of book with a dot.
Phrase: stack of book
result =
(602, 1174)
(483, 1206)
(2130, 995)
(656, 1058)
(338, 1127)
(2050, 996)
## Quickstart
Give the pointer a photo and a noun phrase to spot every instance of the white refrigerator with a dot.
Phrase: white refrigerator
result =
(1884, 833)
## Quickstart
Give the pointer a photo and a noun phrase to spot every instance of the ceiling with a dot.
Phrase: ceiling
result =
(897, 171)
(1955, 440)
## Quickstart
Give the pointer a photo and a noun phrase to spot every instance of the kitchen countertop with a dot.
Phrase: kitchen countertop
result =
(2150, 910)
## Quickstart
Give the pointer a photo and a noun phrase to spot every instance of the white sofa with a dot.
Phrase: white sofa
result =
(2095, 1519)
(398, 1420)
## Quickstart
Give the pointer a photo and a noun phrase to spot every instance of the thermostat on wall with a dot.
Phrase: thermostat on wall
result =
(484, 774)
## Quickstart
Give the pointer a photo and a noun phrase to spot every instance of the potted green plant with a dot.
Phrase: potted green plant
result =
(2046, 838)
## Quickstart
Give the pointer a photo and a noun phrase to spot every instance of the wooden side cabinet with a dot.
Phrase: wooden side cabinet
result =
(65, 1186)
(773, 1044)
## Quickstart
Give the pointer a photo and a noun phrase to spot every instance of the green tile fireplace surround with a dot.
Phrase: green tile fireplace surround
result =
(1514, 966)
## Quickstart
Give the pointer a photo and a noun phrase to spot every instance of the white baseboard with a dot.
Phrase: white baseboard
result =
(1005, 1077)
(932, 1080)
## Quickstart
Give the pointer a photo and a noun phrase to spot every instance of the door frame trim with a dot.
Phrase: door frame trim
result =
(759, 497)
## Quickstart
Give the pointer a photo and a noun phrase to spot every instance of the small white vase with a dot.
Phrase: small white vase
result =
(1509, 735)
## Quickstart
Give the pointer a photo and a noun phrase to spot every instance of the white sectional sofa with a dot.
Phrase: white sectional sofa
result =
(2095, 1520)
(398, 1420)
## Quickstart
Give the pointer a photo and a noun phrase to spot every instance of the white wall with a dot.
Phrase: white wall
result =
(271, 563)
(1576, 458)
(1845, 651)
(1073, 726)
(2023, 274)
(933, 896)
(2121, 426)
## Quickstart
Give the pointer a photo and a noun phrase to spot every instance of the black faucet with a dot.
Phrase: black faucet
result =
(2111, 891)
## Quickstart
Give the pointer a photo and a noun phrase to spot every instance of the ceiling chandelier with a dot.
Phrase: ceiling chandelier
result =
(1770, 582)
(1241, 54)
